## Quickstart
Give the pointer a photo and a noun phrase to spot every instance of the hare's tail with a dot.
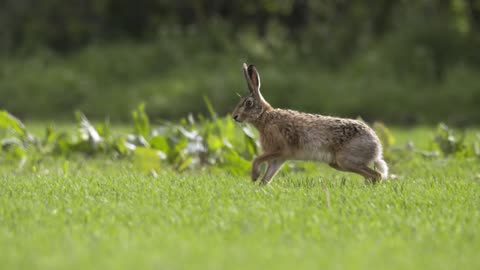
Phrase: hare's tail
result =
(382, 167)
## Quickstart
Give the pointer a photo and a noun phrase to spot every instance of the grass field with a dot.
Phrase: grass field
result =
(95, 213)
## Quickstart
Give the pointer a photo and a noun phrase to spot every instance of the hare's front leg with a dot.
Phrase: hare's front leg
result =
(272, 169)
(257, 161)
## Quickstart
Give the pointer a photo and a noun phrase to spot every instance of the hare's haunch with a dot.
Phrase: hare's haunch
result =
(345, 144)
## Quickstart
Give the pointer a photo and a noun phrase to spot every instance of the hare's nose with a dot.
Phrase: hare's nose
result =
(235, 117)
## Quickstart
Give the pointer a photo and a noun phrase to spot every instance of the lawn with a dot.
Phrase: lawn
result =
(104, 214)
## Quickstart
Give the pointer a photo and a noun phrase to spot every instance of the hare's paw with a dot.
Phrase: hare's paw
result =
(255, 173)
(264, 182)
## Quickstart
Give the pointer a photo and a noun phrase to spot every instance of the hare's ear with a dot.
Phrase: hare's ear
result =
(251, 86)
(253, 80)
(254, 77)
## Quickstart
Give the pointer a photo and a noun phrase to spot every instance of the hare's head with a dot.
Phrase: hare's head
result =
(251, 106)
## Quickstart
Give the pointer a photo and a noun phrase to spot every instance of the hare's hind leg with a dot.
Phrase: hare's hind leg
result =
(345, 163)
(370, 174)
(337, 167)
(357, 155)
(272, 169)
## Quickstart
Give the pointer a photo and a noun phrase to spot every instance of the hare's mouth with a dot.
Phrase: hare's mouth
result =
(237, 118)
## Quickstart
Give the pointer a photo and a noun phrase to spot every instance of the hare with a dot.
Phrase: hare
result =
(344, 144)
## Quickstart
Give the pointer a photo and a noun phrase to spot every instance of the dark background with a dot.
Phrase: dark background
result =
(402, 62)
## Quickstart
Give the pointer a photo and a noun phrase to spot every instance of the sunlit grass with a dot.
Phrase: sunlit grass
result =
(95, 213)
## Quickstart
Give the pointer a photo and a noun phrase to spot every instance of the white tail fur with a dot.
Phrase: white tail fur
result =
(381, 165)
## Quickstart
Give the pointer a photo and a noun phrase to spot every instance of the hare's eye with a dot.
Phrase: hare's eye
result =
(249, 103)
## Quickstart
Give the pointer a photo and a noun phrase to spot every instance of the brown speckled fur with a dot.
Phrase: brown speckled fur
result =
(345, 144)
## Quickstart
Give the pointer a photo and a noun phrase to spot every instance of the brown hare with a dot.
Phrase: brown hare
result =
(345, 144)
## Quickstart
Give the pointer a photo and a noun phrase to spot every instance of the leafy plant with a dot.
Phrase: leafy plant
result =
(191, 143)
(451, 143)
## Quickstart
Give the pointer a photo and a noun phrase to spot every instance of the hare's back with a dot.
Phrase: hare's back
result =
(315, 132)
(342, 130)
(308, 133)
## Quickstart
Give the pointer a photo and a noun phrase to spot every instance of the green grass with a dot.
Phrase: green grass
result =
(81, 214)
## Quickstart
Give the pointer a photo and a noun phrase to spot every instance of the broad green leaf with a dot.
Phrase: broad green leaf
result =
(123, 147)
(251, 145)
(148, 159)
(384, 134)
(13, 148)
(103, 128)
(234, 163)
(160, 143)
(141, 121)
(9, 121)
(184, 163)
(210, 109)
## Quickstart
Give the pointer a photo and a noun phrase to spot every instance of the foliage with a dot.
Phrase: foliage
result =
(450, 143)
(189, 144)
(192, 143)
(445, 143)
(337, 29)
(9, 121)
(171, 76)
(382, 60)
